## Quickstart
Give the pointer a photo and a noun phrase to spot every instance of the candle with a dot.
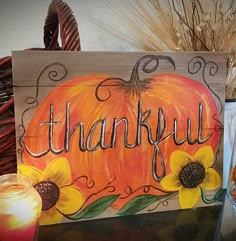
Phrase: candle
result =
(20, 208)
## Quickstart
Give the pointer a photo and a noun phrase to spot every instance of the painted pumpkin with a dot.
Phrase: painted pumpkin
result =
(120, 134)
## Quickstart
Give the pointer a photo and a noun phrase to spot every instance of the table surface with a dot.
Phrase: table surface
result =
(228, 222)
(200, 224)
(211, 223)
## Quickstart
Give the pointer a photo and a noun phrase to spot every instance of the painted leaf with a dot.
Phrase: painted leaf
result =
(219, 196)
(139, 203)
(95, 208)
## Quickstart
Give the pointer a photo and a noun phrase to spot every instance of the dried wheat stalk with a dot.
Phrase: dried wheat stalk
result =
(186, 25)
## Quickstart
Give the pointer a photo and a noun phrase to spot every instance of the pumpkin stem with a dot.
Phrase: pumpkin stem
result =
(136, 85)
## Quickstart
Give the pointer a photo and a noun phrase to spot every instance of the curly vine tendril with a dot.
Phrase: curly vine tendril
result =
(135, 85)
(109, 187)
(146, 189)
(196, 64)
(164, 202)
(135, 78)
(54, 75)
(89, 183)
(34, 103)
(118, 82)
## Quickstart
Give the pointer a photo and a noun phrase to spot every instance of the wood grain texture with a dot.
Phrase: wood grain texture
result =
(119, 119)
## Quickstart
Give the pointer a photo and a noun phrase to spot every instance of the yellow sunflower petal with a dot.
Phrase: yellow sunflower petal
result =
(171, 182)
(178, 160)
(205, 156)
(212, 180)
(188, 197)
(51, 216)
(58, 171)
(71, 199)
(31, 171)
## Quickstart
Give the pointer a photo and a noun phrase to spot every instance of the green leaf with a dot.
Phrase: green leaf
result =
(219, 196)
(139, 203)
(95, 208)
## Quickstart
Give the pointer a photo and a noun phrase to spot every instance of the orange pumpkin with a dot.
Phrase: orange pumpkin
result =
(106, 128)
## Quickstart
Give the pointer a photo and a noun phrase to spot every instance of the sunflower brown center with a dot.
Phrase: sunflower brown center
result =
(192, 175)
(49, 193)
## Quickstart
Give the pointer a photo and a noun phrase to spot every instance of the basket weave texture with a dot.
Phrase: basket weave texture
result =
(59, 18)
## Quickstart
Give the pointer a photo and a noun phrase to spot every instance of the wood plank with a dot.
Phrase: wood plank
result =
(112, 128)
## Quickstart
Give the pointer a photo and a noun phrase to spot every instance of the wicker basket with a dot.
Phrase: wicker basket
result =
(59, 16)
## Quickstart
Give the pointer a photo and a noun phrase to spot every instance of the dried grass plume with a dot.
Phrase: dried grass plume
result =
(178, 25)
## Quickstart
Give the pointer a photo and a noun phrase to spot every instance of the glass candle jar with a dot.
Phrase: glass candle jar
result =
(20, 208)
(231, 187)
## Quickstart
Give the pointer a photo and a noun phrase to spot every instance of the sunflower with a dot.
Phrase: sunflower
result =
(191, 174)
(54, 184)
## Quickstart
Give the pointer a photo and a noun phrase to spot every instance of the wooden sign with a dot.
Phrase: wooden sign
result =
(107, 134)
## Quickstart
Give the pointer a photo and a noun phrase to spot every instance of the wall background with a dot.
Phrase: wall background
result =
(22, 21)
